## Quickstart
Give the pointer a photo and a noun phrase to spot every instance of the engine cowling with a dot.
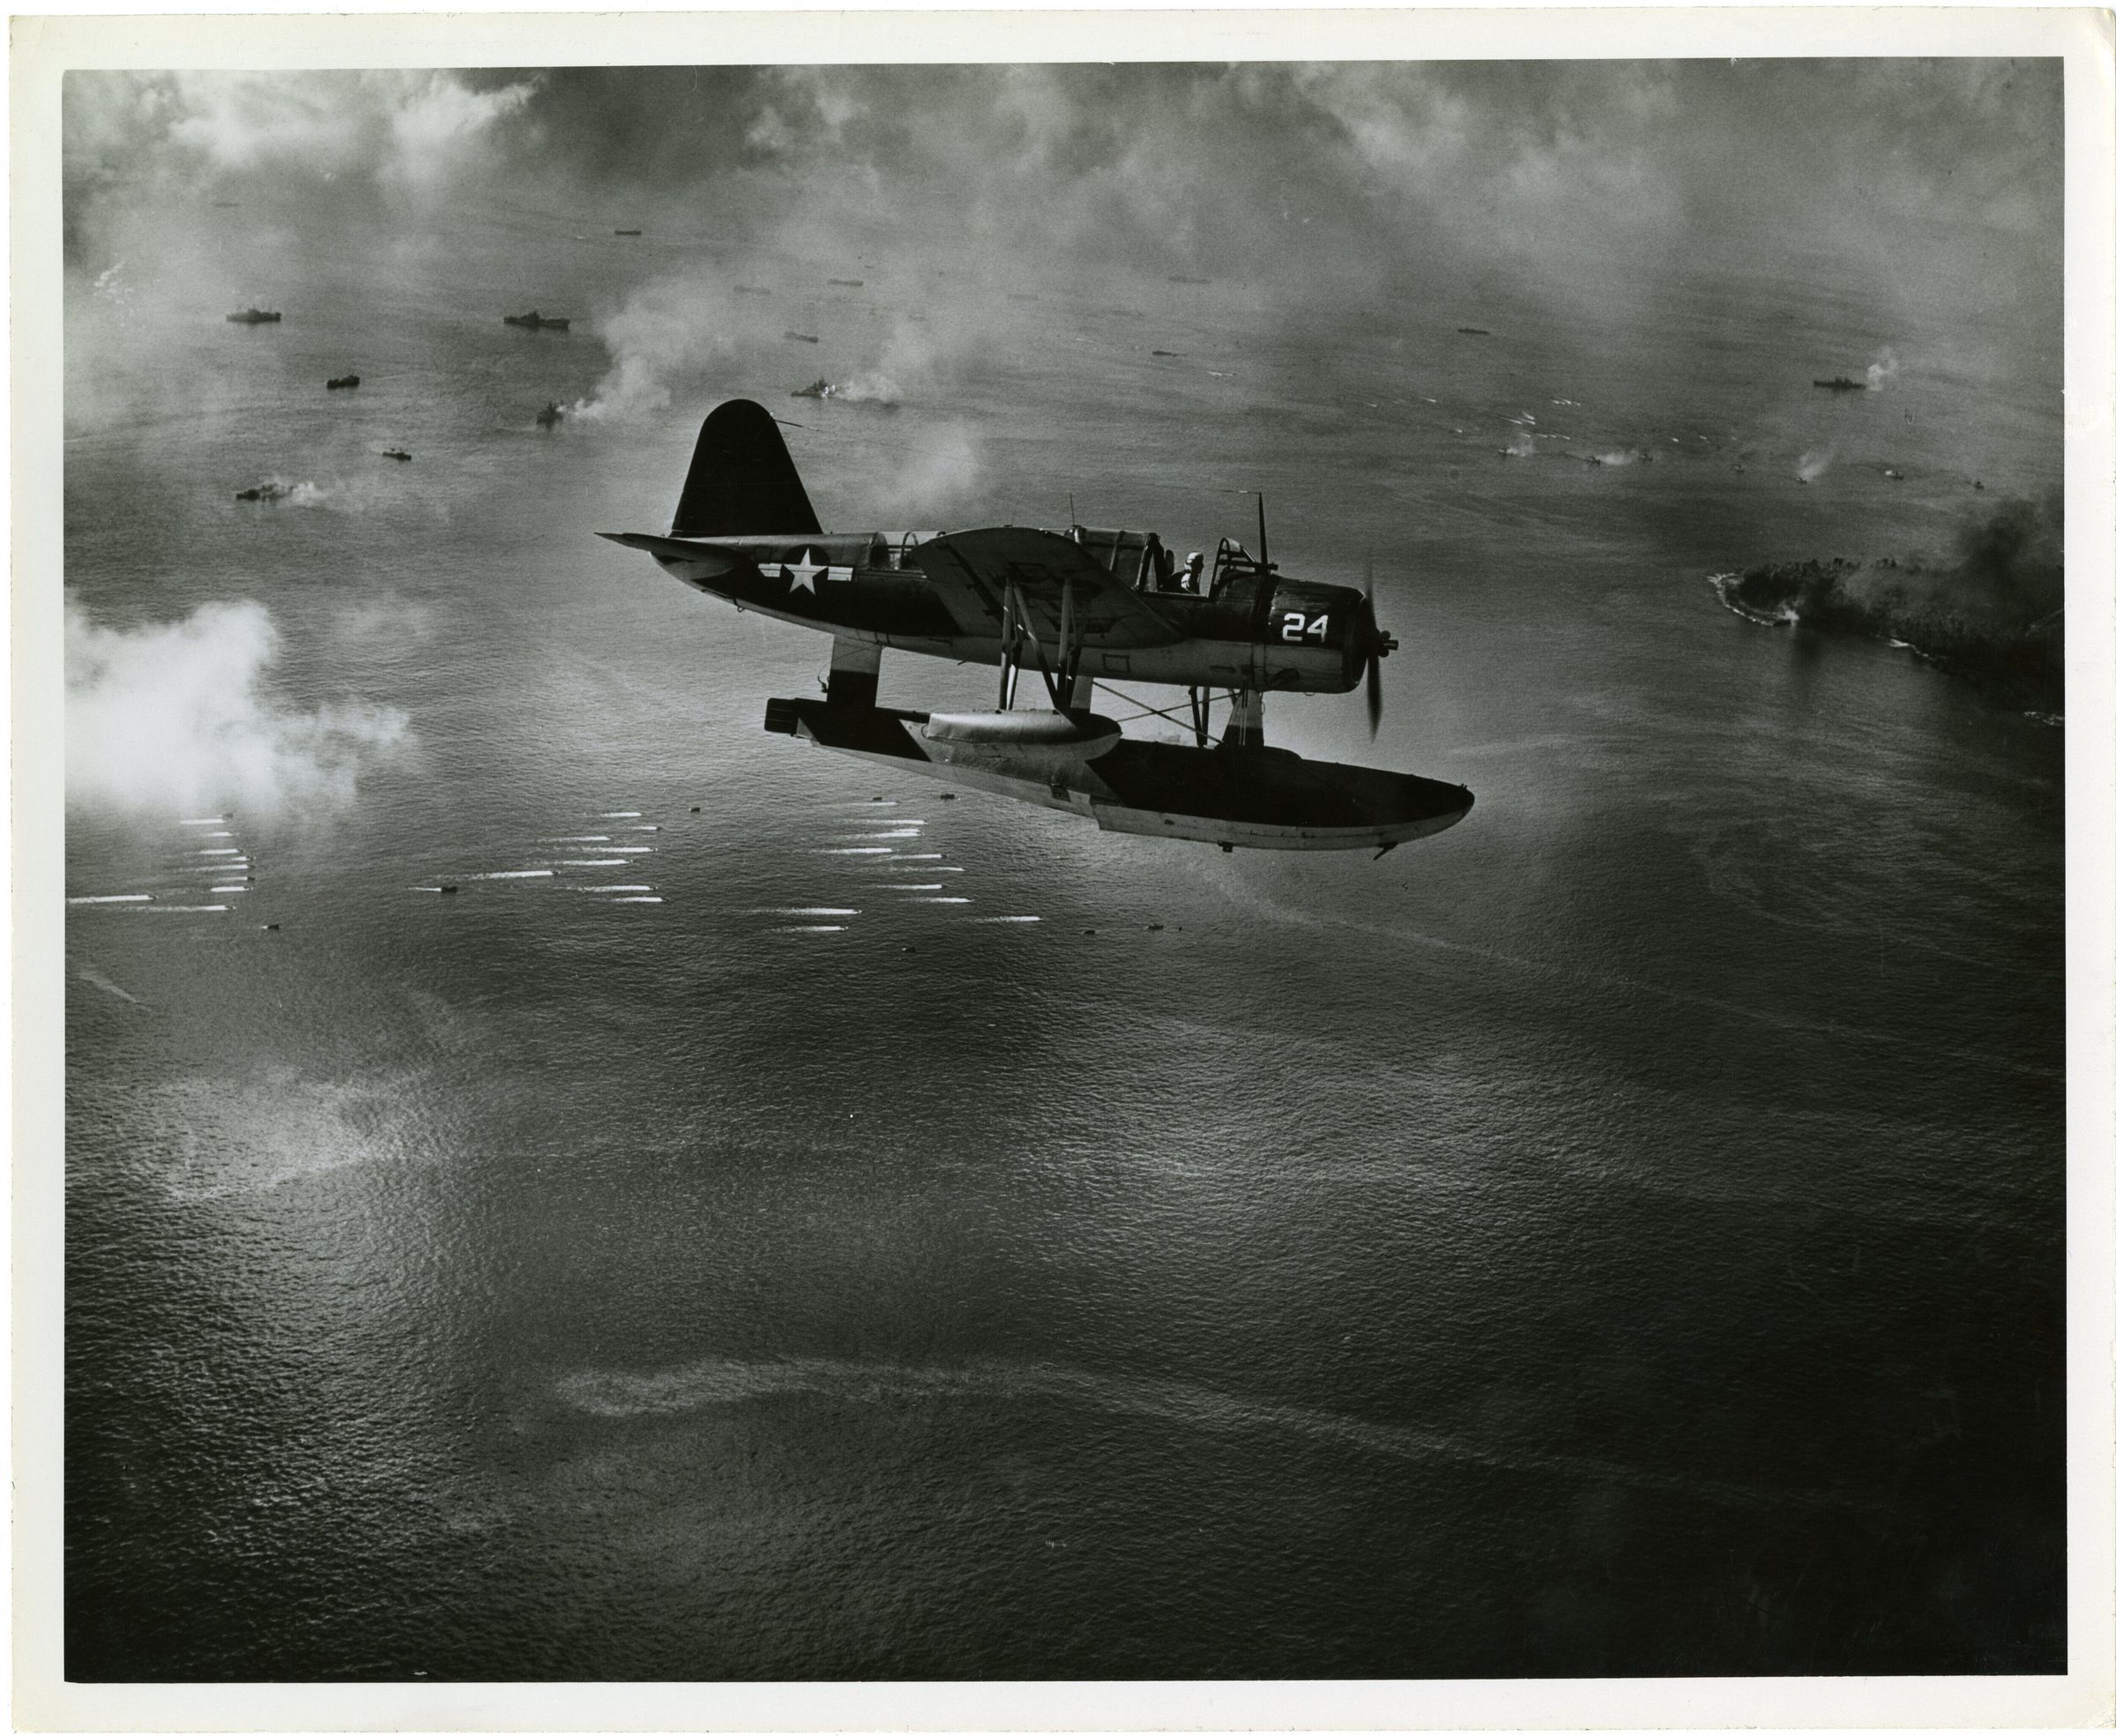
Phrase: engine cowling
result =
(1315, 638)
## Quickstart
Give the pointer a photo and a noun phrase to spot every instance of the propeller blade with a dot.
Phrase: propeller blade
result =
(1375, 641)
(1263, 536)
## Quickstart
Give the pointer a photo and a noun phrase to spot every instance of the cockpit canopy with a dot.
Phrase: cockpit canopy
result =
(1135, 558)
(1141, 560)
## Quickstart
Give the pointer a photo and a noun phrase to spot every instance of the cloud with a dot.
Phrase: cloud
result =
(1316, 182)
(399, 141)
(177, 716)
(405, 129)
(1070, 165)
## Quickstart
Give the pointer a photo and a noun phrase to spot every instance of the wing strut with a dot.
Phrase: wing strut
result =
(1009, 649)
(1201, 715)
(1245, 720)
(1061, 673)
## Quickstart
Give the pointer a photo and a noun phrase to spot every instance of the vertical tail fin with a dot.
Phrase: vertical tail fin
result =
(742, 482)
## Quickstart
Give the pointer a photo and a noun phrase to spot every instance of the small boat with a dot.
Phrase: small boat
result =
(254, 316)
(1473, 331)
(629, 232)
(1841, 384)
(265, 491)
(343, 382)
(532, 321)
(1173, 355)
(800, 337)
(850, 282)
(550, 416)
(821, 389)
(399, 454)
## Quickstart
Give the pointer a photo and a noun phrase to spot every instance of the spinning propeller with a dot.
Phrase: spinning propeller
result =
(1377, 644)
(1371, 643)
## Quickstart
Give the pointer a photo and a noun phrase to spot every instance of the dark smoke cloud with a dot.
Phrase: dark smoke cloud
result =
(1994, 615)
(2011, 561)
(654, 126)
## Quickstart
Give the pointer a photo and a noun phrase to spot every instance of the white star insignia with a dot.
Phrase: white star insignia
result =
(801, 575)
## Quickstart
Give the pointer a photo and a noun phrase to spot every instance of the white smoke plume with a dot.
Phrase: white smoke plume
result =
(278, 490)
(1880, 370)
(180, 716)
(665, 336)
(868, 388)
(937, 473)
(1815, 462)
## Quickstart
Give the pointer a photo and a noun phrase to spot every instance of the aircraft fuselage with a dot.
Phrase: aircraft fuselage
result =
(1254, 629)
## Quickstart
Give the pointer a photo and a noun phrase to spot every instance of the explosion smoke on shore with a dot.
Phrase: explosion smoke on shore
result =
(1994, 615)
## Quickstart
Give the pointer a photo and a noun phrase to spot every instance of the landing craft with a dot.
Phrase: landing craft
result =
(1085, 606)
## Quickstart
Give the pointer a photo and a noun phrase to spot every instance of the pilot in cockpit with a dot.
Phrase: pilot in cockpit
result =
(1192, 578)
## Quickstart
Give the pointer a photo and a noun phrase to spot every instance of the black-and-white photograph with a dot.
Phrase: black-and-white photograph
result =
(1195, 869)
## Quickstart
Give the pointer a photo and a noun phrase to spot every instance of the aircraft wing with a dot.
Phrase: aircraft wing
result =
(971, 568)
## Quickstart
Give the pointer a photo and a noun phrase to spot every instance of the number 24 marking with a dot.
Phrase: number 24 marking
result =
(1299, 626)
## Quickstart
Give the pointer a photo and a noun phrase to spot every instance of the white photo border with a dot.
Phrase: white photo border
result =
(45, 47)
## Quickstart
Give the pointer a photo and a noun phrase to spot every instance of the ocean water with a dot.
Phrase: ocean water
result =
(1622, 1235)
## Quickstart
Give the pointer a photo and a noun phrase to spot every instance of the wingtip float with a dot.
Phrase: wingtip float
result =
(1085, 606)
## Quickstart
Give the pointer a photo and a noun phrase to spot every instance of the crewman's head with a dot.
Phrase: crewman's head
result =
(1194, 562)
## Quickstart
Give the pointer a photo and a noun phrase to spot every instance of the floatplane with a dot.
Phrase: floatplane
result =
(1078, 607)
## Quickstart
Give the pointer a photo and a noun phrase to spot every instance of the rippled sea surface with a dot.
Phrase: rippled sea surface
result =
(1619, 1235)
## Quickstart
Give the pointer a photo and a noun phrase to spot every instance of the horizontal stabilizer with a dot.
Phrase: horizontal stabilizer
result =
(704, 558)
